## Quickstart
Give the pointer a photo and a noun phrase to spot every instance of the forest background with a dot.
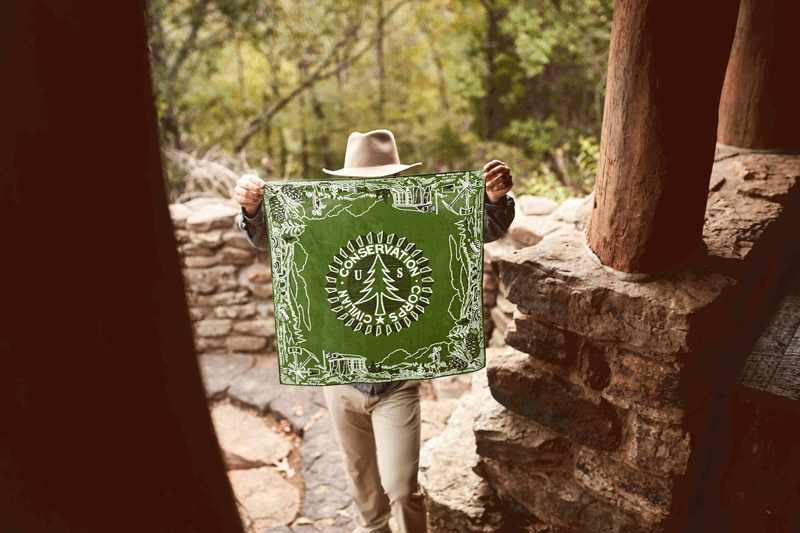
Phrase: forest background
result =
(275, 87)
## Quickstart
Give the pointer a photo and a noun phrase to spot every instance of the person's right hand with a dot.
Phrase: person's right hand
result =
(248, 192)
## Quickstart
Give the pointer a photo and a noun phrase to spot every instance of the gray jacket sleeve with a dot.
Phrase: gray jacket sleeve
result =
(497, 217)
(255, 229)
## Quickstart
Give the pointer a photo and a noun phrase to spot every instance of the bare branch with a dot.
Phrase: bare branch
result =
(156, 36)
(319, 73)
(214, 174)
(183, 53)
(255, 124)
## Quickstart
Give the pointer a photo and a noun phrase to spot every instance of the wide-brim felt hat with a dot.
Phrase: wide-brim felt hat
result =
(371, 155)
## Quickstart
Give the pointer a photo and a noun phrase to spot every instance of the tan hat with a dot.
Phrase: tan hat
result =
(371, 155)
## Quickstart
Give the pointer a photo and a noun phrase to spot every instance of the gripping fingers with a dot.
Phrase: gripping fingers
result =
(500, 186)
(249, 190)
(251, 182)
(494, 169)
(491, 164)
(500, 180)
(243, 196)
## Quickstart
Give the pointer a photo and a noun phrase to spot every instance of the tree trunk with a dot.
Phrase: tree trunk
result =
(440, 74)
(239, 64)
(304, 138)
(269, 168)
(170, 130)
(324, 138)
(491, 102)
(284, 152)
(105, 423)
(379, 51)
(666, 67)
(760, 106)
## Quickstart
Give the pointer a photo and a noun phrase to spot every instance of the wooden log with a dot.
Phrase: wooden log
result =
(666, 67)
(760, 108)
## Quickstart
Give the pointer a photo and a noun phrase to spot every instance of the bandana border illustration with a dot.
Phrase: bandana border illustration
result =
(289, 206)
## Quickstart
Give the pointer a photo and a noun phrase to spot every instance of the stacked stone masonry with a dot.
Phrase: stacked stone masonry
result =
(535, 218)
(592, 419)
(600, 404)
(227, 280)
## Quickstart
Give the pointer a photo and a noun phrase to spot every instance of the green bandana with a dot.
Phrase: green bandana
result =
(377, 279)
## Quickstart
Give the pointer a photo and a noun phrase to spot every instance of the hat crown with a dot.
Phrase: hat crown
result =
(371, 155)
(373, 149)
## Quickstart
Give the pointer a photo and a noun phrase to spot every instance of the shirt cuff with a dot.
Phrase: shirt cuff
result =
(258, 215)
(501, 204)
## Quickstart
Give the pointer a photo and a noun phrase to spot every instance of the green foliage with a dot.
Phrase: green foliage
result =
(581, 170)
(220, 64)
(534, 136)
(587, 161)
(544, 182)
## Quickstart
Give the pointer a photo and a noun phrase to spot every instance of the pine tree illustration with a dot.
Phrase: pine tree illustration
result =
(379, 285)
(457, 363)
(278, 212)
(472, 346)
(294, 193)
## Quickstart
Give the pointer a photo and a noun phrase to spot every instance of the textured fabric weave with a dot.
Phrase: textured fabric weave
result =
(378, 280)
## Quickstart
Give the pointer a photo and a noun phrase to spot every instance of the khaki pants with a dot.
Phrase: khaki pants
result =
(380, 438)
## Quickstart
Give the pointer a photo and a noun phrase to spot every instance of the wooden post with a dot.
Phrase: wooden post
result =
(760, 105)
(665, 72)
(104, 423)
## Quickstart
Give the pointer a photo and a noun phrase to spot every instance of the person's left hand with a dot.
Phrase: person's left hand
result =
(498, 180)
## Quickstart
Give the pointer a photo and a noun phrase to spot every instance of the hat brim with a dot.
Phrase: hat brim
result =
(370, 172)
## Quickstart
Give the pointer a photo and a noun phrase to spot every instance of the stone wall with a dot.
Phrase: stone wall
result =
(608, 408)
(606, 400)
(535, 218)
(227, 280)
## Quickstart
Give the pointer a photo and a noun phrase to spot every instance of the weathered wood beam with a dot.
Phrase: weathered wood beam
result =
(666, 67)
(760, 107)
(104, 423)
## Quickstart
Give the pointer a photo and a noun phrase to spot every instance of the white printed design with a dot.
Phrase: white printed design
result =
(379, 284)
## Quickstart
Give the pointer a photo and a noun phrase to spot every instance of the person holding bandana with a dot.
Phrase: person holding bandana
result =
(378, 424)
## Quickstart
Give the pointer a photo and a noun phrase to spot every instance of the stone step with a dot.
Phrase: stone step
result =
(252, 450)
(220, 371)
(526, 386)
(501, 434)
(265, 499)
(260, 389)
(759, 484)
(457, 498)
